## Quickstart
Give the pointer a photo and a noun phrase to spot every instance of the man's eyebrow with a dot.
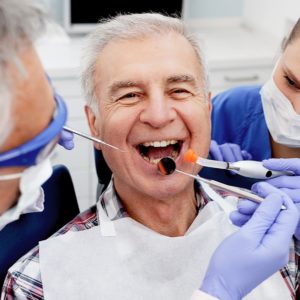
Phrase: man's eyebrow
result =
(182, 78)
(114, 87)
(291, 75)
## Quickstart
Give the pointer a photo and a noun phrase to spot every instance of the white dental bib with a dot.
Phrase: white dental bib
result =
(138, 263)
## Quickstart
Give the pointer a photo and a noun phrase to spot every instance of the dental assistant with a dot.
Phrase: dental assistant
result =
(266, 127)
(261, 122)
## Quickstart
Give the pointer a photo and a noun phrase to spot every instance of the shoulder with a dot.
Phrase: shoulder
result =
(24, 277)
(243, 97)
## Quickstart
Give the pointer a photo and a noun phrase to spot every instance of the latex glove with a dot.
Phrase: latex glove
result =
(287, 184)
(252, 254)
(246, 208)
(66, 139)
(228, 152)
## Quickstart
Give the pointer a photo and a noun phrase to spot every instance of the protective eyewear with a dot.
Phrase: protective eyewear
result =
(40, 147)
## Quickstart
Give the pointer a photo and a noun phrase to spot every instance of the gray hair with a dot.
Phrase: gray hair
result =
(125, 27)
(21, 22)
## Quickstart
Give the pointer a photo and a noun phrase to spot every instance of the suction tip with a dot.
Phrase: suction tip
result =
(190, 156)
(166, 166)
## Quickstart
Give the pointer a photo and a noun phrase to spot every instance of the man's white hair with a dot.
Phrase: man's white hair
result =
(21, 22)
(132, 26)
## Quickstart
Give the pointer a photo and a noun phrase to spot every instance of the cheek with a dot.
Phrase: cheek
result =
(117, 123)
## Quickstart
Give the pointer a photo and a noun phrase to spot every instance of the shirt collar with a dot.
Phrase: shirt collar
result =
(114, 209)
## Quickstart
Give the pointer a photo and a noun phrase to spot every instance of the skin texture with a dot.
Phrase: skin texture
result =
(287, 78)
(32, 109)
(149, 90)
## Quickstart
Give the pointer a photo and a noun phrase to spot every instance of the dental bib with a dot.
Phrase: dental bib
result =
(125, 260)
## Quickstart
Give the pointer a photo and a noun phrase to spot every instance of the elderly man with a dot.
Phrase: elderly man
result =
(31, 116)
(145, 82)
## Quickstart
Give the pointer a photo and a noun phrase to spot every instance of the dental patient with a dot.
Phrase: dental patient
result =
(147, 93)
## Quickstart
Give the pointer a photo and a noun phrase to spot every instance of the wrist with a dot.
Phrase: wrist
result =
(216, 287)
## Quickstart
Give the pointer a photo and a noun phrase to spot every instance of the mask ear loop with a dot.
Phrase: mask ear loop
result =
(10, 176)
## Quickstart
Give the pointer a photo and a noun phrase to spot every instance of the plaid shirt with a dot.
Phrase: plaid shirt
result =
(23, 280)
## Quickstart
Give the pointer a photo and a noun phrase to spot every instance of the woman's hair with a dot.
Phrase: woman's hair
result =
(21, 22)
(293, 35)
(131, 26)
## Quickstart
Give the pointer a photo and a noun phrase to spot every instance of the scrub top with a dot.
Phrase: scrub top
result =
(238, 117)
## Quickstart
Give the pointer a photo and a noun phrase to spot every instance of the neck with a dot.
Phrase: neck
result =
(282, 151)
(170, 217)
(9, 193)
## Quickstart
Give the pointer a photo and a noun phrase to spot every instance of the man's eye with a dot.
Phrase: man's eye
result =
(129, 95)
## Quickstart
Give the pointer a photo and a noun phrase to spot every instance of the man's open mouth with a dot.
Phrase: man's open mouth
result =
(154, 151)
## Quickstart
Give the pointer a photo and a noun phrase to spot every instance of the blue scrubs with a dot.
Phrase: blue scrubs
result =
(237, 117)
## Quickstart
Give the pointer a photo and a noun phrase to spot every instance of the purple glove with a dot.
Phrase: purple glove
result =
(252, 254)
(66, 140)
(287, 184)
(228, 152)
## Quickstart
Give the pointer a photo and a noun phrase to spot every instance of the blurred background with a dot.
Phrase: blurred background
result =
(241, 40)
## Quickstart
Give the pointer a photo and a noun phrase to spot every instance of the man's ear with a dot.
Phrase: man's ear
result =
(93, 121)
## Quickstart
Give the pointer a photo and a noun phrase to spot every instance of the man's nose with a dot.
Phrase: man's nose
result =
(158, 112)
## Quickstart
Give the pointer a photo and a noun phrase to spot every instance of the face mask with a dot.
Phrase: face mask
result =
(282, 120)
(32, 195)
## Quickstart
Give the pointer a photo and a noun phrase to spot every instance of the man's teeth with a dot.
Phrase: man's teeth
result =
(160, 143)
(156, 160)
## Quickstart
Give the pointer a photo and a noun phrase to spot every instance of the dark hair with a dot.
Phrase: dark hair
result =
(294, 34)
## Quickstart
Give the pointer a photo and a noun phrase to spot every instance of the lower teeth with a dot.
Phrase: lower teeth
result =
(154, 161)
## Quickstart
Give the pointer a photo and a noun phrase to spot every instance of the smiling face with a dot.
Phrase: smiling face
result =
(152, 105)
(287, 74)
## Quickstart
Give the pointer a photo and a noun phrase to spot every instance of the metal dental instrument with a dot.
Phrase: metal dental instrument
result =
(91, 138)
(167, 166)
(246, 168)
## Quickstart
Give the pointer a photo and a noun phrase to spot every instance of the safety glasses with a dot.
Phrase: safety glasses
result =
(40, 147)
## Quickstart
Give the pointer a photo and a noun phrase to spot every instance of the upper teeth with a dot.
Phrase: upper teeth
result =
(160, 143)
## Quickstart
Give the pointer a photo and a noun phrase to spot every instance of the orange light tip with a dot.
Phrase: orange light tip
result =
(190, 156)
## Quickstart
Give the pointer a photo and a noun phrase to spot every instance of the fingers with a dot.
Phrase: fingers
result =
(231, 152)
(66, 140)
(284, 225)
(246, 155)
(215, 152)
(291, 182)
(294, 194)
(264, 218)
(283, 164)
(246, 207)
(263, 189)
(239, 219)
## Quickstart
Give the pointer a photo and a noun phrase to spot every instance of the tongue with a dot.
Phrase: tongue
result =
(160, 152)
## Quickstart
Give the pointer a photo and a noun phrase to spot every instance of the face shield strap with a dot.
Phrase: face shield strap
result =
(29, 153)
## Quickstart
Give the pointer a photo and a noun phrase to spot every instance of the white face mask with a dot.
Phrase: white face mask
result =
(32, 195)
(282, 120)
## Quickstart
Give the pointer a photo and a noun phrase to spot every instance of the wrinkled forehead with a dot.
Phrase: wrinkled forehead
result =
(155, 56)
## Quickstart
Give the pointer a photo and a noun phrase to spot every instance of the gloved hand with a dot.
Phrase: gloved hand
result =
(66, 139)
(228, 152)
(252, 254)
(287, 184)
(246, 208)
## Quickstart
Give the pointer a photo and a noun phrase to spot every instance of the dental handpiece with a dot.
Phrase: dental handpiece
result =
(167, 166)
(86, 136)
(246, 168)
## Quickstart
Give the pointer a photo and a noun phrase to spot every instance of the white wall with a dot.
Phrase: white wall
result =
(214, 8)
(273, 16)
